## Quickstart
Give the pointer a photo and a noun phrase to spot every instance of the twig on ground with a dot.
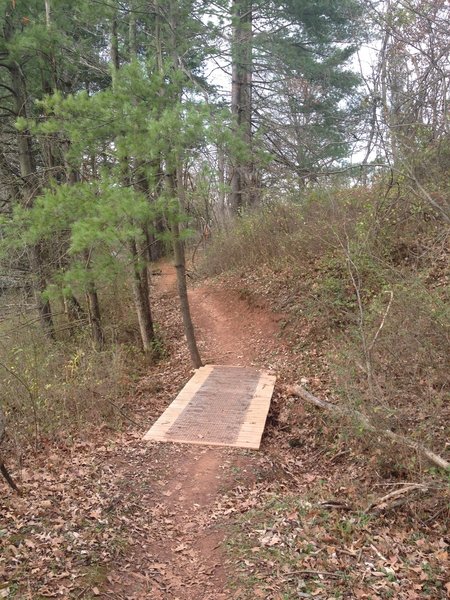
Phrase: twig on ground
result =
(310, 573)
(123, 413)
(383, 321)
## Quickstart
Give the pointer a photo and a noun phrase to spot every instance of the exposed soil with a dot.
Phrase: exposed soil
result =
(188, 550)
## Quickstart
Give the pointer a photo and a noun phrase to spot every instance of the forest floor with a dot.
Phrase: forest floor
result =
(109, 516)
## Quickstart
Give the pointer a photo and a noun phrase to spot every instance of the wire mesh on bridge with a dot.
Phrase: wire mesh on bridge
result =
(219, 406)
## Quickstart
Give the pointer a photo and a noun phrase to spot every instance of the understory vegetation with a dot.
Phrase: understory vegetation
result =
(361, 274)
(52, 389)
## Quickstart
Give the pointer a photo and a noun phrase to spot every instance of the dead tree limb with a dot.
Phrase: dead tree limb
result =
(397, 498)
(354, 414)
(3, 469)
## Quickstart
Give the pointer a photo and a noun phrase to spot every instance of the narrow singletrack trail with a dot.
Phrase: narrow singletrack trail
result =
(180, 486)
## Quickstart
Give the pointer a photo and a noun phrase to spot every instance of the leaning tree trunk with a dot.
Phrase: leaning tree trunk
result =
(177, 191)
(180, 266)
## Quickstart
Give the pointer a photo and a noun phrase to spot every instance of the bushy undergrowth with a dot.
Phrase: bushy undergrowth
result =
(367, 270)
(50, 388)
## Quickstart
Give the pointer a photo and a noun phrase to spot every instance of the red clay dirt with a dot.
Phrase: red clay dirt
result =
(183, 556)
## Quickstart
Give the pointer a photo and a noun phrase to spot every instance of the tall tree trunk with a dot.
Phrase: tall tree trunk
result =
(95, 319)
(48, 13)
(175, 183)
(242, 193)
(141, 292)
(139, 250)
(221, 168)
(95, 316)
(29, 176)
(132, 31)
(180, 266)
(115, 59)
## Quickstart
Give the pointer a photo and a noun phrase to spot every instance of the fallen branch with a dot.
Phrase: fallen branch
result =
(396, 498)
(3, 469)
(395, 437)
(337, 505)
(123, 413)
(117, 407)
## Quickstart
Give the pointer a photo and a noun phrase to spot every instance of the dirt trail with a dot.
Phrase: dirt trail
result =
(186, 562)
(228, 329)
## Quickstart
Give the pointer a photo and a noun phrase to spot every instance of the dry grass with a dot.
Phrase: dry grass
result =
(65, 387)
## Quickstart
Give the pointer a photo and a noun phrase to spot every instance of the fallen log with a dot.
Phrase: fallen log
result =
(434, 458)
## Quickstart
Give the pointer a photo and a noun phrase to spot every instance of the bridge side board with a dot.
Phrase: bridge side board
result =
(159, 430)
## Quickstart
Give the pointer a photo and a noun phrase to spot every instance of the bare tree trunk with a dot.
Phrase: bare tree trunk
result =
(115, 59)
(28, 172)
(140, 251)
(180, 266)
(39, 287)
(95, 316)
(48, 13)
(94, 313)
(221, 167)
(241, 98)
(176, 189)
(142, 298)
(132, 31)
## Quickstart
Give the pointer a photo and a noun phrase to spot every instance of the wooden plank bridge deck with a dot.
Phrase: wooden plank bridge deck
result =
(219, 406)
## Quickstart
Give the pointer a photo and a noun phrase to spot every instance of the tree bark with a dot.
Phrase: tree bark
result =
(39, 286)
(132, 32)
(177, 191)
(241, 99)
(221, 168)
(115, 59)
(95, 319)
(141, 293)
(95, 316)
(180, 266)
(48, 13)
(140, 251)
